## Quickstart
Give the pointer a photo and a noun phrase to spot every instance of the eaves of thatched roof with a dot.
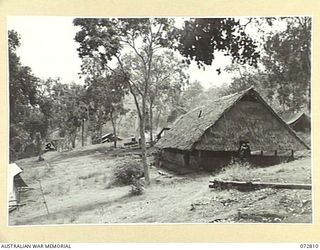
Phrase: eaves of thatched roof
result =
(189, 128)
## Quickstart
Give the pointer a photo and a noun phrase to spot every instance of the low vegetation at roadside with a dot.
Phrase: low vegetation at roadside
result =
(129, 173)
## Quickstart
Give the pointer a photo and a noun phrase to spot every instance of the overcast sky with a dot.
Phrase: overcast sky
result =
(48, 47)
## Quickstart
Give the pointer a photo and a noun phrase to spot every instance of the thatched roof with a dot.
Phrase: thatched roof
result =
(291, 118)
(189, 128)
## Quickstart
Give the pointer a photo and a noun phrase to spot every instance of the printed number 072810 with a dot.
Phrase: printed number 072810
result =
(309, 245)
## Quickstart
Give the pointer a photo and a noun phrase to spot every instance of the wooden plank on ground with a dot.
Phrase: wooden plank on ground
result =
(249, 185)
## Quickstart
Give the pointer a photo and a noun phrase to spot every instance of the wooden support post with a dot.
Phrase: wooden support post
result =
(186, 158)
(292, 153)
(261, 153)
(199, 158)
(44, 199)
(275, 153)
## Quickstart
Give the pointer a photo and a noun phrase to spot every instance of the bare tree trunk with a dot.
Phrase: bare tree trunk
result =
(39, 146)
(82, 132)
(306, 28)
(142, 128)
(142, 115)
(151, 124)
(119, 123)
(158, 119)
(309, 98)
(40, 158)
(143, 142)
(100, 129)
(114, 130)
(73, 141)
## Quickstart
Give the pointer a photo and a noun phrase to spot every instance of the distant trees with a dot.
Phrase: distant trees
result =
(25, 115)
(244, 78)
(288, 63)
(63, 107)
(69, 109)
(283, 75)
(38, 106)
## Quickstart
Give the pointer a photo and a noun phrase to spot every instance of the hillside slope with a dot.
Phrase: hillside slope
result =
(77, 190)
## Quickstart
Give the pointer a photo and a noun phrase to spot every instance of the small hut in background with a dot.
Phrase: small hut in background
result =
(56, 140)
(212, 135)
(15, 185)
(299, 122)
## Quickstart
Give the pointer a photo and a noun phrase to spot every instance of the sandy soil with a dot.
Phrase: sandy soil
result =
(77, 190)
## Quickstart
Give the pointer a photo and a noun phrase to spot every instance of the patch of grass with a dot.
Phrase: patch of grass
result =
(61, 189)
(89, 175)
(35, 173)
(78, 182)
(239, 172)
(105, 178)
(73, 218)
(46, 191)
(137, 187)
(101, 212)
(280, 170)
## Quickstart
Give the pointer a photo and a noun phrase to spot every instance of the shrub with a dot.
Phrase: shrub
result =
(127, 173)
(137, 187)
(239, 172)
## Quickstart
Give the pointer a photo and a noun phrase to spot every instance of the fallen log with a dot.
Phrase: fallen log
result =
(250, 185)
(25, 189)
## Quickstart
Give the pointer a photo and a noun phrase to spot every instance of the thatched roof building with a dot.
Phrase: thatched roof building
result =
(221, 126)
(299, 122)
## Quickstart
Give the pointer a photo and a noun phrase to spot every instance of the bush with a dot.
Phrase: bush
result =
(127, 173)
(137, 187)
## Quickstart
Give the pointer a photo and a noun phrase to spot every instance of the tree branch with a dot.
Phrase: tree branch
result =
(129, 81)
(245, 25)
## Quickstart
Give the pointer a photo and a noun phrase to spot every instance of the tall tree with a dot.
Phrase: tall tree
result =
(67, 106)
(23, 85)
(105, 96)
(288, 62)
(168, 77)
(144, 37)
(283, 73)
(200, 38)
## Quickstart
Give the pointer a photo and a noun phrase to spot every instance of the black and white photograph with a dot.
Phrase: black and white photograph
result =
(145, 120)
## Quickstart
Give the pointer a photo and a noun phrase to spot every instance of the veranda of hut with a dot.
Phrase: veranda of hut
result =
(210, 136)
